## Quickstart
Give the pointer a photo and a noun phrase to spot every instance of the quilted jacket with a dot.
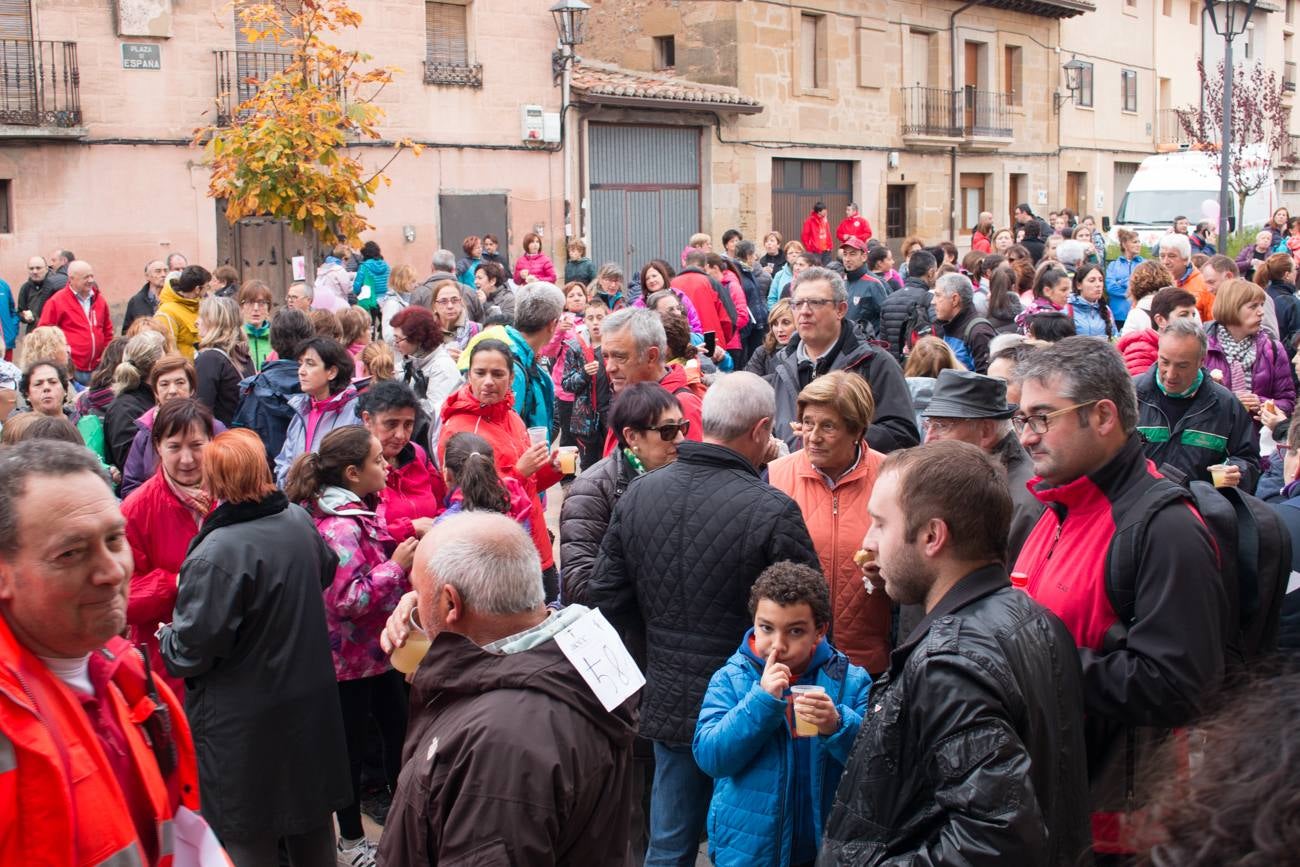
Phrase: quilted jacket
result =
(837, 520)
(584, 518)
(686, 543)
(1271, 376)
(743, 741)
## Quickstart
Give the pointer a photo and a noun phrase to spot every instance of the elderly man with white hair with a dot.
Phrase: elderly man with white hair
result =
(510, 756)
(684, 547)
(1176, 256)
(957, 321)
(537, 316)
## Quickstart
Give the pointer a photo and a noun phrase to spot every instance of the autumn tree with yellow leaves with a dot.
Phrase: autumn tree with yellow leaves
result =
(285, 153)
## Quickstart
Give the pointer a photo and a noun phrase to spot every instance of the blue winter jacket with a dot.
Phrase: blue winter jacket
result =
(743, 741)
(1090, 319)
(1118, 273)
(375, 273)
(533, 387)
(8, 315)
(264, 406)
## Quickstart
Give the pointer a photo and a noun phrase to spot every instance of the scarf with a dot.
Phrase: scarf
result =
(230, 514)
(196, 500)
(1180, 395)
(1241, 358)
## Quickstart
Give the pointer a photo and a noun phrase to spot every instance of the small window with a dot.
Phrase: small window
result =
(1130, 4)
(1085, 85)
(1129, 88)
(1288, 186)
(1167, 8)
(1290, 11)
(812, 51)
(1013, 74)
(1194, 8)
(447, 33)
(6, 204)
(665, 51)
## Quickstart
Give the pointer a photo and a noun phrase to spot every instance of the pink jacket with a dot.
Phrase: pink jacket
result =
(537, 264)
(366, 585)
(732, 285)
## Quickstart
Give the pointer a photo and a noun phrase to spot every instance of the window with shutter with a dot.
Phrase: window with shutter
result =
(447, 55)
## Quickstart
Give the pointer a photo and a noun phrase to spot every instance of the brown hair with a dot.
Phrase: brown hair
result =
(343, 447)
(529, 239)
(781, 308)
(1125, 235)
(326, 324)
(402, 280)
(177, 416)
(171, 363)
(470, 242)
(378, 360)
(254, 290)
(148, 323)
(1275, 267)
(354, 322)
(846, 393)
(959, 484)
(34, 426)
(1231, 297)
(929, 356)
(235, 468)
(225, 275)
(1148, 278)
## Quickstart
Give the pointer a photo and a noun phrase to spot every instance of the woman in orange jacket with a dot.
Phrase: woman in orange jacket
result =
(831, 479)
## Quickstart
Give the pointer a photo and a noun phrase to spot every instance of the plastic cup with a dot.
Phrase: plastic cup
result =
(568, 460)
(538, 435)
(406, 658)
(804, 728)
(1219, 473)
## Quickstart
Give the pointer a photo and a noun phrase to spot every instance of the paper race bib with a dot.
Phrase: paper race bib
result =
(596, 651)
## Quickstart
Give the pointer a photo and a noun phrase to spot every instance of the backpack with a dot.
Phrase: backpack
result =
(264, 411)
(1254, 553)
(959, 345)
(916, 324)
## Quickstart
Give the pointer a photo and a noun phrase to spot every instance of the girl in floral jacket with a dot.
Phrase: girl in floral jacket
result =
(340, 484)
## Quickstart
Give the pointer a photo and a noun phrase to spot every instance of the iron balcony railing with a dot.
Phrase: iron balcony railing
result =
(1290, 154)
(1170, 128)
(40, 84)
(453, 74)
(965, 113)
(1288, 76)
(240, 74)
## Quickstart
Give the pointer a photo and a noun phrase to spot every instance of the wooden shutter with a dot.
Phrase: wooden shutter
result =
(15, 19)
(447, 34)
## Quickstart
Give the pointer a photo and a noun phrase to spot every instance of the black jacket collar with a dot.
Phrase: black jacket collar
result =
(975, 586)
(713, 455)
(229, 514)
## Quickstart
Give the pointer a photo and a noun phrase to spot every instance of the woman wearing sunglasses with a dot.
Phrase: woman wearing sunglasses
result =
(648, 424)
(831, 479)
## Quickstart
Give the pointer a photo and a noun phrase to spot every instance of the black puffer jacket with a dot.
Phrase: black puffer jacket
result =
(584, 518)
(686, 543)
(894, 312)
(973, 751)
(894, 424)
(119, 422)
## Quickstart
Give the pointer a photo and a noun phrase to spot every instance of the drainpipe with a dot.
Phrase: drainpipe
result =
(954, 190)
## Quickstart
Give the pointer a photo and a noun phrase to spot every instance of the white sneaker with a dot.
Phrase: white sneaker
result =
(356, 853)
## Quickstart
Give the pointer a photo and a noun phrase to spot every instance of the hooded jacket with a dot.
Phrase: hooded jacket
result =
(894, 313)
(505, 430)
(837, 520)
(180, 315)
(370, 284)
(1140, 350)
(87, 333)
(510, 759)
(336, 411)
(1118, 273)
(1287, 307)
(1271, 376)
(366, 585)
(264, 406)
(432, 376)
(816, 233)
(972, 752)
(685, 544)
(1090, 318)
(415, 489)
(533, 387)
(743, 740)
(333, 286)
(894, 424)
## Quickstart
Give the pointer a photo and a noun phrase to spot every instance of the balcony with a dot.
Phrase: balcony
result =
(40, 94)
(1170, 134)
(1289, 157)
(240, 74)
(970, 118)
(453, 74)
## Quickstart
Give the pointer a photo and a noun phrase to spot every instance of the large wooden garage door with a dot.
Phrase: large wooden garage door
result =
(797, 185)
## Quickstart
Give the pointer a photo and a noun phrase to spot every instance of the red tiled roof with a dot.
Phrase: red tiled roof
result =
(606, 84)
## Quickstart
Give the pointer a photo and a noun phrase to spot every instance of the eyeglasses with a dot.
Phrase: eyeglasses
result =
(941, 425)
(810, 303)
(260, 303)
(668, 432)
(448, 302)
(1039, 423)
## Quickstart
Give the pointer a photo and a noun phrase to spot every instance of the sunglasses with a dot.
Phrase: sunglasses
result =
(668, 432)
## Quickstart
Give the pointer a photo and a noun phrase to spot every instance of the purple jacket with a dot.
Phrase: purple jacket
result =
(1271, 378)
(366, 584)
(1244, 263)
(687, 305)
(142, 460)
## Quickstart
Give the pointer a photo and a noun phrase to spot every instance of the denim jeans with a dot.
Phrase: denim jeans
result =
(679, 805)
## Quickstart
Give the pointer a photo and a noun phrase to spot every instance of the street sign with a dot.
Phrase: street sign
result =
(141, 55)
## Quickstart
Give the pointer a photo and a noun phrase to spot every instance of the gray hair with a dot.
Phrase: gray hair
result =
(307, 288)
(956, 284)
(444, 260)
(1070, 252)
(838, 290)
(490, 560)
(538, 308)
(735, 403)
(1084, 369)
(1004, 341)
(32, 459)
(1187, 327)
(1179, 244)
(645, 325)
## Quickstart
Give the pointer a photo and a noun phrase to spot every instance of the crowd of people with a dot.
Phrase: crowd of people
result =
(954, 559)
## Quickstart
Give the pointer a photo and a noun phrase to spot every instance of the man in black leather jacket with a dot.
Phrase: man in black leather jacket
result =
(972, 750)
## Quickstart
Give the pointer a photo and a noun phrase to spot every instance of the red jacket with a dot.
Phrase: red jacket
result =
(981, 243)
(415, 490)
(676, 382)
(853, 227)
(159, 529)
(816, 235)
(708, 306)
(737, 292)
(1139, 349)
(60, 796)
(501, 426)
(87, 335)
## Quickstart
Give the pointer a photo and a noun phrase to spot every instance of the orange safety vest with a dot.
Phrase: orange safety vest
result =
(60, 802)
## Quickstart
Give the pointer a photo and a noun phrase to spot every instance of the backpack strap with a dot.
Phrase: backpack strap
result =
(1248, 589)
(965, 334)
(1125, 552)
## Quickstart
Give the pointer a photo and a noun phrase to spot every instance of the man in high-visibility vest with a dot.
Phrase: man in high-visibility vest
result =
(96, 758)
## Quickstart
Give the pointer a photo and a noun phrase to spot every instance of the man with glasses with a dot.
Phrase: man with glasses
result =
(1150, 638)
(299, 297)
(145, 301)
(634, 348)
(973, 409)
(41, 285)
(826, 341)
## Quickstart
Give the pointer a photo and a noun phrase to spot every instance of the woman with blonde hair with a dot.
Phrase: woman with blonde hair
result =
(929, 356)
(780, 328)
(400, 284)
(148, 323)
(781, 279)
(134, 396)
(222, 359)
(378, 362)
(47, 343)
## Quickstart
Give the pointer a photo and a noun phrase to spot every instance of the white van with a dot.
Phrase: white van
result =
(1186, 183)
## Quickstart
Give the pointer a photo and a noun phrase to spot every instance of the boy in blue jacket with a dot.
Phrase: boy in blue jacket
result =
(773, 789)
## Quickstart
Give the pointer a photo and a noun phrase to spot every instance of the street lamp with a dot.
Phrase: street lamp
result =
(571, 29)
(1229, 19)
(1073, 82)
